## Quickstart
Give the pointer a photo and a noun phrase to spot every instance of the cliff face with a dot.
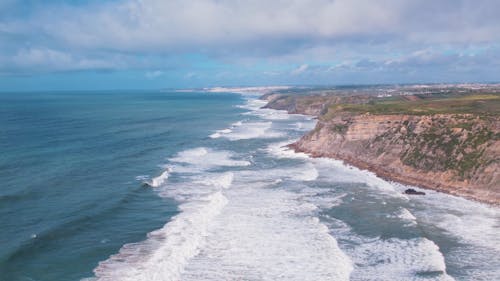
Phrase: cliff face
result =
(289, 103)
(309, 105)
(454, 153)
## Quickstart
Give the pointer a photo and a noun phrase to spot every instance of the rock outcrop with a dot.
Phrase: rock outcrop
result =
(453, 153)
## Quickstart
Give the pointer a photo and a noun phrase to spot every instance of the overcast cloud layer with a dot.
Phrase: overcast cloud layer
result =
(194, 42)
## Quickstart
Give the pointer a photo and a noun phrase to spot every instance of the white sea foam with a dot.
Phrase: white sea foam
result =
(336, 170)
(255, 107)
(236, 124)
(471, 222)
(253, 104)
(267, 234)
(215, 135)
(167, 250)
(251, 130)
(163, 255)
(280, 150)
(378, 258)
(390, 259)
(271, 114)
(405, 215)
(220, 133)
(198, 186)
(472, 227)
(266, 226)
(250, 232)
(397, 259)
(305, 173)
(202, 158)
(223, 180)
(159, 180)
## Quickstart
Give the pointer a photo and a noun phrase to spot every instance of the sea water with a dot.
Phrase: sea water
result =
(201, 186)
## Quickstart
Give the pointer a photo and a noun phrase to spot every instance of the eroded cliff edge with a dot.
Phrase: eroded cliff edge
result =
(451, 147)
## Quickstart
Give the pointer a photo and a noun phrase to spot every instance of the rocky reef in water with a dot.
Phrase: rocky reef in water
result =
(446, 143)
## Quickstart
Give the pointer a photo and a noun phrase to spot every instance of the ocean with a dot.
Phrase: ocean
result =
(166, 185)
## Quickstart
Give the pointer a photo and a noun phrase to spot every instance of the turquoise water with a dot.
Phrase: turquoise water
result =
(68, 166)
(224, 200)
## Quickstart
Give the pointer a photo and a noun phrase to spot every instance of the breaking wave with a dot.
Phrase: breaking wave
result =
(271, 218)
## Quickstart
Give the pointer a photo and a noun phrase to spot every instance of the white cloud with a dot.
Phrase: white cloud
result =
(142, 33)
(37, 59)
(299, 70)
(157, 24)
(41, 56)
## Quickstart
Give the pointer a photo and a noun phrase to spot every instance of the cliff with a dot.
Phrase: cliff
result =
(450, 149)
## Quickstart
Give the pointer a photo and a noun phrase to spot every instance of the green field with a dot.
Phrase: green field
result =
(480, 104)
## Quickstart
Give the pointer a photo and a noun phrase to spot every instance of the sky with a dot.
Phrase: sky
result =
(154, 44)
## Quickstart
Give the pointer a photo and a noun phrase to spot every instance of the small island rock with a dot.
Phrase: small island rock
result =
(412, 191)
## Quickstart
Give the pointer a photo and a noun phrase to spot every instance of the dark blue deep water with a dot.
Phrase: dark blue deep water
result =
(69, 196)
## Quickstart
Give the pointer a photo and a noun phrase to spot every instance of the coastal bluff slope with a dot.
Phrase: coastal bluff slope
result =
(449, 144)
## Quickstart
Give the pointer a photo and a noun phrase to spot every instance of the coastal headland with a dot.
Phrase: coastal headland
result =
(440, 137)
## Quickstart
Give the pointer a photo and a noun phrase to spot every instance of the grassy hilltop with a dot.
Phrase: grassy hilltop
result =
(480, 104)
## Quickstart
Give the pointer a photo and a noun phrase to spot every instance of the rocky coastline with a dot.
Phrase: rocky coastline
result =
(454, 153)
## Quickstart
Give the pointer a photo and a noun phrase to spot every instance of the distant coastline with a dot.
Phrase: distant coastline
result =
(447, 141)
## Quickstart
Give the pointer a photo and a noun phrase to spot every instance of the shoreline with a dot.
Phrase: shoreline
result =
(393, 177)
(397, 147)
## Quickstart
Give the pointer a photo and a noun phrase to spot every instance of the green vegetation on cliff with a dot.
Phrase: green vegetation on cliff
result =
(454, 143)
(482, 104)
(448, 139)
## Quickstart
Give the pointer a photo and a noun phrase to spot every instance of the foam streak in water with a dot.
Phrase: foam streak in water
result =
(166, 251)
(396, 259)
(267, 234)
(251, 130)
(159, 180)
(204, 158)
(267, 226)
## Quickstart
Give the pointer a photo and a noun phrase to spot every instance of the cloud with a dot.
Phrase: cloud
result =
(39, 59)
(299, 70)
(154, 24)
(322, 36)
